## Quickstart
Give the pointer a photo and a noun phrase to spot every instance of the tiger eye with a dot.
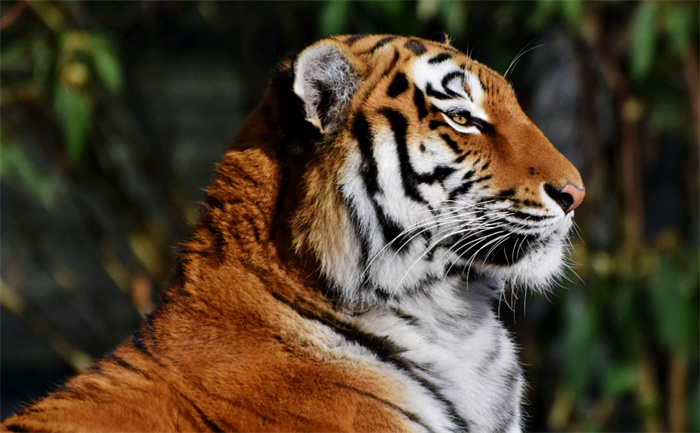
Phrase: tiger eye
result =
(460, 119)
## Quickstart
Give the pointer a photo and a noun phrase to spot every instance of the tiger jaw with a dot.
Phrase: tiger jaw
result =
(518, 260)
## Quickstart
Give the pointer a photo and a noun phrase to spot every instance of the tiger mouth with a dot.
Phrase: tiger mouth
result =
(501, 246)
(507, 250)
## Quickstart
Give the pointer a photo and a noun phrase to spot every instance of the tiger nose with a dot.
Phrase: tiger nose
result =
(568, 198)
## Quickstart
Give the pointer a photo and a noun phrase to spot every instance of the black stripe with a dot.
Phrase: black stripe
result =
(481, 80)
(509, 251)
(352, 39)
(391, 66)
(415, 46)
(381, 43)
(124, 364)
(435, 93)
(32, 409)
(419, 100)
(528, 216)
(435, 124)
(385, 349)
(17, 427)
(506, 193)
(439, 58)
(531, 203)
(363, 135)
(439, 174)
(390, 229)
(465, 187)
(179, 275)
(449, 77)
(368, 172)
(410, 415)
(137, 340)
(410, 319)
(460, 158)
(149, 322)
(210, 424)
(213, 202)
(219, 240)
(453, 144)
(253, 222)
(408, 176)
(398, 85)
(365, 245)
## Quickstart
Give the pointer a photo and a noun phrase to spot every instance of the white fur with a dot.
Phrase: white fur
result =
(456, 330)
(457, 352)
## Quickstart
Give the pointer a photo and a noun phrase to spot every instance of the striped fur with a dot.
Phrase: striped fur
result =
(343, 270)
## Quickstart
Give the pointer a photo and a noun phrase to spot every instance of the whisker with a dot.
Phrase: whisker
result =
(522, 52)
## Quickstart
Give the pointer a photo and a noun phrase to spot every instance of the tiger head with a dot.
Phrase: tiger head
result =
(424, 168)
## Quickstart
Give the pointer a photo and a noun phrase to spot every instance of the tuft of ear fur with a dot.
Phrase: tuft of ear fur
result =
(325, 79)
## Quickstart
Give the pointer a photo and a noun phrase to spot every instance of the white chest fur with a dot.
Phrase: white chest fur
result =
(457, 355)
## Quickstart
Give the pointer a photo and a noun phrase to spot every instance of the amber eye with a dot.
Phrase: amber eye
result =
(460, 119)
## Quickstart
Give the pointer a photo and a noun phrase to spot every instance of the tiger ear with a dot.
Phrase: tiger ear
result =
(325, 78)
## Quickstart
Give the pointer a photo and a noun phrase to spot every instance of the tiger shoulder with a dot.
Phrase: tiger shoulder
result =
(343, 270)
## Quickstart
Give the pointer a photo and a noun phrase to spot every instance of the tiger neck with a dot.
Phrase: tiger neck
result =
(241, 226)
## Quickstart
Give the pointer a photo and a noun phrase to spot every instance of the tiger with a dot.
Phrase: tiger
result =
(345, 266)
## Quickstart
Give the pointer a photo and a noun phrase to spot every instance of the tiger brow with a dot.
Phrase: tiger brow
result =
(465, 86)
(449, 77)
(439, 58)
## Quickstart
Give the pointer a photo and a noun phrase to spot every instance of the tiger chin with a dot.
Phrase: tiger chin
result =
(343, 269)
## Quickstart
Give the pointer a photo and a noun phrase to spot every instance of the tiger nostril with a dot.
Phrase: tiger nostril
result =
(568, 198)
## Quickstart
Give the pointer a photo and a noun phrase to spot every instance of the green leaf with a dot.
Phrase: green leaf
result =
(673, 290)
(627, 315)
(544, 9)
(16, 162)
(43, 63)
(74, 110)
(14, 55)
(643, 41)
(619, 379)
(694, 408)
(106, 63)
(666, 112)
(391, 8)
(679, 23)
(571, 11)
(333, 18)
(582, 324)
(456, 19)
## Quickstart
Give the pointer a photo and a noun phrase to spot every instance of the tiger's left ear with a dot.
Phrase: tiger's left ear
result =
(325, 78)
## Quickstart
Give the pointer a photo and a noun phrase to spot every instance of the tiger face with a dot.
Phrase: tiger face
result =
(432, 167)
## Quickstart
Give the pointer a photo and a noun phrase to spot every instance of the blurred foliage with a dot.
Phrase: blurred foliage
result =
(618, 347)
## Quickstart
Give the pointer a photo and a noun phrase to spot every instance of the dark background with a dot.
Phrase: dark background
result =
(113, 115)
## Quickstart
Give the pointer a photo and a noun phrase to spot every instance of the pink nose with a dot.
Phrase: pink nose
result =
(576, 193)
(568, 198)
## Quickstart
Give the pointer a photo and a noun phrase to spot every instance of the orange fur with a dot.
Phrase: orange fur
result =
(235, 346)
(225, 353)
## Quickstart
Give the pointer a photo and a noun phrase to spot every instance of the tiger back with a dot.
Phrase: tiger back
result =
(343, 269)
